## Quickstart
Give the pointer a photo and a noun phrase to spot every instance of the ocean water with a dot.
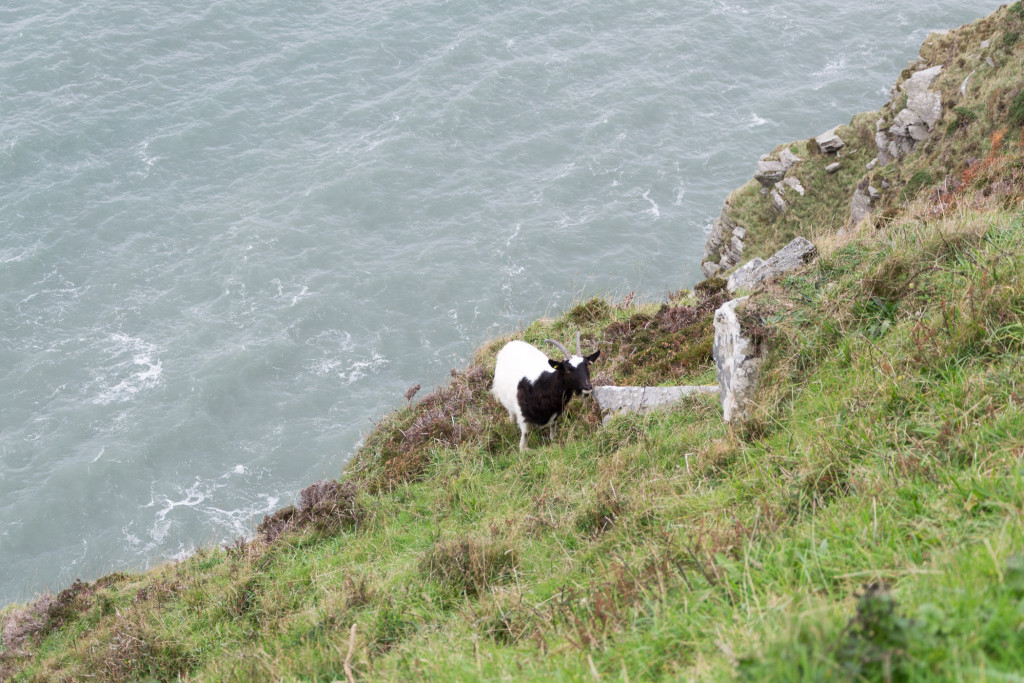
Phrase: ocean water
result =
(233, 234)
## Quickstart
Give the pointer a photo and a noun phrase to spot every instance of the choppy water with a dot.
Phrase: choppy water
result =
(233, 233)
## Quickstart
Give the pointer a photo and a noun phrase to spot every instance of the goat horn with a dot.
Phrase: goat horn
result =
(578, 352)
(560, 347)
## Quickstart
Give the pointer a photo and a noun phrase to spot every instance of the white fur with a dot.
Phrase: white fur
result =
(518, 360)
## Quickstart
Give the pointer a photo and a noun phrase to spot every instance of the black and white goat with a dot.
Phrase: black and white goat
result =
(534, 388)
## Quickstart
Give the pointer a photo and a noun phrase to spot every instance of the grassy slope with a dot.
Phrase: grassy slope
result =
(866, 523)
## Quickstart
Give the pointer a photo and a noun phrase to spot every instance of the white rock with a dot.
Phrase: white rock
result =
(756, 272)
(833, 167)
(737, 364)
(644, 399)
(788, 159)
(794, 183)
(778, 203)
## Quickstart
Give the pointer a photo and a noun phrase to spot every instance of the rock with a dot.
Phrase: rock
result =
(769, 172)
(963, 86)
(984, 44)
(862, 203)
(737, 363)
(788, 159)
(792, 182)
(778, 203)
(643, 399)
(874, 194)
(871, 164)
(756, 272)
(915, 122)
(829, 142)
(724, 246)
(833, 167)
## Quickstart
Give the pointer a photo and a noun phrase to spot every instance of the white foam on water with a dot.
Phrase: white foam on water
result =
(655, 210)
(138, 373)
(359, 369)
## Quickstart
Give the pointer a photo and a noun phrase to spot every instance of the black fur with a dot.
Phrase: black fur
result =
(546, 398)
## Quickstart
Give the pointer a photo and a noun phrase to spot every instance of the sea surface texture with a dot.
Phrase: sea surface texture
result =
(232, 234)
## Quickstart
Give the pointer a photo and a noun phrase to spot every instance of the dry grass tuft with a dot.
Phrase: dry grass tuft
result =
(468, 565)
(329, 507)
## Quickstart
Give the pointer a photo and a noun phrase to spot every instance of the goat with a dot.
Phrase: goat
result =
(534, 388)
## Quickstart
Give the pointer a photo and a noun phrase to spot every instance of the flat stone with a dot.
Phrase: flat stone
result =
(756, 272)
(769, 172)
(644, 399)
(833, 167)
(778, 203)
(792, 182)
(788, 159)
(829, 143)
(921, 80)
(861, 205)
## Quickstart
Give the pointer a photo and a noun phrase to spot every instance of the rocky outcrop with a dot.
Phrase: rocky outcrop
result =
(864, 199)
(769, 172)
(756, 272)
(914, 122)
(643, 399)
(737, 363)
(829, 143)
(724, 246)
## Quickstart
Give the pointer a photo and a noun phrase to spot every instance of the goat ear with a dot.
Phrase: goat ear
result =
(592, 357)
(557, 365)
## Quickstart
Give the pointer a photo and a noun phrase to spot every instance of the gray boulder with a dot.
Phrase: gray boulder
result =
(756, 272)
(737, 363)
(769, 172)
(778, 203)
(915, 122)
(863, 201)
(643, 399)
(788, 159)
(829, 143)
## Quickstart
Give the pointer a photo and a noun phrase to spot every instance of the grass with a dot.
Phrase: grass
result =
(864, 524)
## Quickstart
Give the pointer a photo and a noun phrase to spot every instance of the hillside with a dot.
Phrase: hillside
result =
(865, 523)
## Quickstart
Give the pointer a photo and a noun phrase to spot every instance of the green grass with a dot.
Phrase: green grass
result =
(866, 524)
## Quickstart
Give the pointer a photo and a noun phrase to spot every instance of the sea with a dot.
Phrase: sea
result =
(233, 234)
